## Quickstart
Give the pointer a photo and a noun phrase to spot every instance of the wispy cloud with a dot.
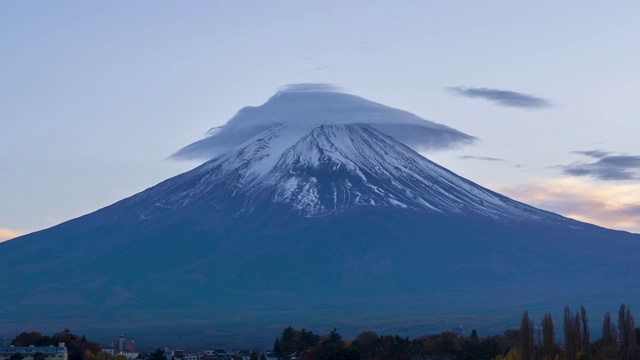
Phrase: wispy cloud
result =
(312, 105)
(7, 234)
(484, 158)
(613, 206)
(502, 97)
(321, 67)
(608, 166)
(598, 154)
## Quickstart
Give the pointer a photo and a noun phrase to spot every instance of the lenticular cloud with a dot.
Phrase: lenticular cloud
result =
(312, 105)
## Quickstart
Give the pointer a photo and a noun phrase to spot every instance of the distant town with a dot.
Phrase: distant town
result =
(532, 341)
(68, 346)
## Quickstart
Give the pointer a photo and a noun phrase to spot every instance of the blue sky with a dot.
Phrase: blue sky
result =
(97, 95)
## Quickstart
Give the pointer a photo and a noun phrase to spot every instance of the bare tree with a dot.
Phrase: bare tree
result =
(526, 337)
(584, 330)
(626, 328)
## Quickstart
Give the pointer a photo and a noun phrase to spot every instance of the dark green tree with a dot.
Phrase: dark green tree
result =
(27, 339)
(16, 356)
(489, 349)
(308, 339)
(336, 351)
(366, 343)
(443, 345)
(335, 337)
(480, 349)
(395, 347)
(289, 342)
(158, 354)
(277, 347)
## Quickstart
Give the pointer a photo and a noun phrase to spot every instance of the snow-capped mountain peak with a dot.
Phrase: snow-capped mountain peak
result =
(315, 170)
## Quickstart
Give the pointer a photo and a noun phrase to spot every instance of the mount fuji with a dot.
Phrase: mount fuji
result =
(313, 209)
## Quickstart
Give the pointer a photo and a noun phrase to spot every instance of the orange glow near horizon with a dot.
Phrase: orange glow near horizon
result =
(615, 206)
(8, 234)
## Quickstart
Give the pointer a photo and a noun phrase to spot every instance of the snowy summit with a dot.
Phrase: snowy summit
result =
(312, 151)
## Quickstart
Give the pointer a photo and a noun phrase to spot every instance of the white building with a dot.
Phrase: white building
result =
(38, 352)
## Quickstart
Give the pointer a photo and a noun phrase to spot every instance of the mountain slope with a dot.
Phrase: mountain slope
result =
(311, 223)
(329, 169)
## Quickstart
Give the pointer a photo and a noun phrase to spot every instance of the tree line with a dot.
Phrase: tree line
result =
(619, 341)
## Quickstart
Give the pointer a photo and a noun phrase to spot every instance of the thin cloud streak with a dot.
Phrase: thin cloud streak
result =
(8, 234)
(484, 158)
(613, 206)
(598, 154)
(607, 167)
(502, 97)
(319, 68)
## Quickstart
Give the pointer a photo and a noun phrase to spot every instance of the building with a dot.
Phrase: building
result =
(35, 352)
(129, 354)
(109, 350)
(123, 345)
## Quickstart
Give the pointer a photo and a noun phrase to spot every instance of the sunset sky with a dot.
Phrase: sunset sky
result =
(96, 96)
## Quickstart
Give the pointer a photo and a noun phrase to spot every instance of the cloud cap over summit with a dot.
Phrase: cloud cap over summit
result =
(312, 105)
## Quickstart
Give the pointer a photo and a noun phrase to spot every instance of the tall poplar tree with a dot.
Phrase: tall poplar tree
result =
(584, 330)
(609, 332)
(626, 328)
(548, 338)
(526, 337)
(571, 334)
